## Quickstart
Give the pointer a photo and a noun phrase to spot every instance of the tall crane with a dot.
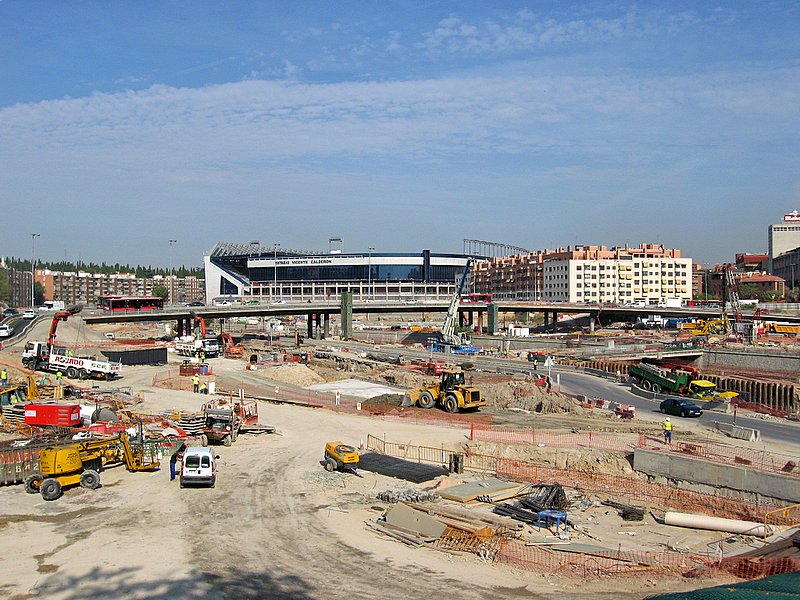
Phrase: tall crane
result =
(460, 342)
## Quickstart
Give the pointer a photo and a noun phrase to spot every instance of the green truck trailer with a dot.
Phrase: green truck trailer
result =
(672, 379)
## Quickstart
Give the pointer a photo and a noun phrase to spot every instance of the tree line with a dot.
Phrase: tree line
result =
(21, 264)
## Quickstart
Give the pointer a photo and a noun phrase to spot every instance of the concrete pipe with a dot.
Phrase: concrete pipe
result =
(714, 524)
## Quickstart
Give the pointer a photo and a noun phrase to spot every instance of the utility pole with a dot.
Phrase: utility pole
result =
(33, 267)
(171, 244)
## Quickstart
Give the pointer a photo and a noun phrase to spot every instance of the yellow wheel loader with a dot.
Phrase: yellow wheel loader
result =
(449, 392)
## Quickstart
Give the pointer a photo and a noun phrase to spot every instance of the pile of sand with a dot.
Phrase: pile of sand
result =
(584, 460)
(291, 374)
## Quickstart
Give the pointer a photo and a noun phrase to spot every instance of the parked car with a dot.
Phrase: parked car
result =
(680, 407)
(10, 312)
(5, 331)
(195, 303)
(199, 466)
(29, 314)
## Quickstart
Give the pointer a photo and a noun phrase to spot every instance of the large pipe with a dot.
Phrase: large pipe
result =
(714, 524)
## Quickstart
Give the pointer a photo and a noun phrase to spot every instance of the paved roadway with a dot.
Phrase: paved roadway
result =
(588, 385)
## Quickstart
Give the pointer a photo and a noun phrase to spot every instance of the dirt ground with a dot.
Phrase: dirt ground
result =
(277, 525)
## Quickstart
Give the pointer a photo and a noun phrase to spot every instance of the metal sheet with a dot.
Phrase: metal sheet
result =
(414, 520)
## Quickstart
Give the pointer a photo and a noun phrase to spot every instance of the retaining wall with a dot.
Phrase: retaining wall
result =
(672, 466)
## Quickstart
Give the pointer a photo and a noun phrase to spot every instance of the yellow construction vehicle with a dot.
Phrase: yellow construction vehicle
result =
(710, 327)
(81, 463)
(340, 457)
(450, 393)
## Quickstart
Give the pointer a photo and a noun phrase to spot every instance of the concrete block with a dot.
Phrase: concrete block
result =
(740, 433)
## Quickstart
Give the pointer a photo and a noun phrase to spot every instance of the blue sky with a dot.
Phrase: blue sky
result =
(398, 125)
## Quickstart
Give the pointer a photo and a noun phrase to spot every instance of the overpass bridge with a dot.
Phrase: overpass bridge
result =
(470, 313)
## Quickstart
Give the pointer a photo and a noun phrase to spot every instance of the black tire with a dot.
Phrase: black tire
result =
(50, 489)
(226, 441)
(204, 440)
(451, 404)
(330, 465)
(656, 388)
(646, 385)
(683, 413)
(72, 372)
(663, 410)
(83, 374)
(90, 479)
(234, 435)
(426, 400)
(33, 483)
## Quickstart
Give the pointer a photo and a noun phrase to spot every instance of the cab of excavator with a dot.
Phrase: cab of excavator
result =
(451, 379)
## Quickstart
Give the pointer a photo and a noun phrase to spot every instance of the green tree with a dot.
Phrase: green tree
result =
(4, 290)
(38, 294)
(161, 291)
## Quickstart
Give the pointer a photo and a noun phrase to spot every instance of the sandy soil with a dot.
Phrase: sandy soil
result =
(275, 526)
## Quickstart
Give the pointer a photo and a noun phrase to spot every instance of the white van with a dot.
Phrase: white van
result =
(199, 466)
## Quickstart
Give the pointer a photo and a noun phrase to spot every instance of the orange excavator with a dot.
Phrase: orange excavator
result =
(230, 349)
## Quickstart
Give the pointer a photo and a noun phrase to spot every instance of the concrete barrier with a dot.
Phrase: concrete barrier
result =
(740, 433)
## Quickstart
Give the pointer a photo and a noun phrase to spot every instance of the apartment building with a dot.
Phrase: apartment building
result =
(648, 273)
(85, 288)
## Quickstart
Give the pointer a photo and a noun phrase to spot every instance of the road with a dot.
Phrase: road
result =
(588, 385)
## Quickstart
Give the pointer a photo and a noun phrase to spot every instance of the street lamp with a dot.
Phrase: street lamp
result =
(369, 273)
(33, 268)
(171, 244)
(275, 269)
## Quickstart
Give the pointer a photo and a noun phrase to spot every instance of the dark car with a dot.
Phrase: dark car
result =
(10, 312)
(195, 303)
(680, 408)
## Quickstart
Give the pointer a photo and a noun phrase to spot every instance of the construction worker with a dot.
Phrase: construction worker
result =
(196, 383)
(667, 431)
(59, 375)
(535, 364)
(173, 461)
(204, 388)
(4, 376)
(619, 375)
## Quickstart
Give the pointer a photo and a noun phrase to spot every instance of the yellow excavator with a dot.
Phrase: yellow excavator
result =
(81, 463)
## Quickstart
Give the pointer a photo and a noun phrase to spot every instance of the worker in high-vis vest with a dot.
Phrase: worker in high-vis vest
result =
(4, 376)
(667, 431)
(196, 383)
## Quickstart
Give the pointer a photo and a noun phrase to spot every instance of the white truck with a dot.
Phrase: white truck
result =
(189, 346)
(46, 356)
(40, 356)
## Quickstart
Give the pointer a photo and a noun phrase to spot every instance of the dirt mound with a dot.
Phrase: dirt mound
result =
(386, 399)
(292, 374)
(584, 460)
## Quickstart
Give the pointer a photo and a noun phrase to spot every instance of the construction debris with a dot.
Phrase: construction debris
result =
(410, 496)
(628, 513)
(466, 492)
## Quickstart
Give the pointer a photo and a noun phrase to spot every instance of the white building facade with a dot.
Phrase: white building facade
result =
(624, 280)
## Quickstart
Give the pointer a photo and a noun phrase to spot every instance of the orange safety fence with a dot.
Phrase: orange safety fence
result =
(339, 403)
(637, 490)
(788, 516)
(626, 562)
(759, 460)
(535, 437)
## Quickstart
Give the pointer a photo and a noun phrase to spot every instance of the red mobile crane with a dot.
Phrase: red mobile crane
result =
(41, 356)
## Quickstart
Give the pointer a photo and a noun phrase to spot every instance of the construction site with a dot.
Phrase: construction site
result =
(378, 467)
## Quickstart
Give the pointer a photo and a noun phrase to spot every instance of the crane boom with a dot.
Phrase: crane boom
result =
(449, 326)
(61, 316)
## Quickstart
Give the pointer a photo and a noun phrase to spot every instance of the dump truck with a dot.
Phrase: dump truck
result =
(449, 392)
(675, 379)
(80, 463)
